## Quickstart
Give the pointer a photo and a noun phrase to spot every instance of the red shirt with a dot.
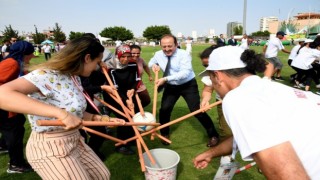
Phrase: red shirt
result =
(9, 70)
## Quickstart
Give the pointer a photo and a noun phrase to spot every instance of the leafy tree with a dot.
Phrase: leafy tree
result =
(238, 30)
(9, 32)
(38, 37)
(59, 36)
(117, 33)
(156, 32)
(261, 34)
(74, 35)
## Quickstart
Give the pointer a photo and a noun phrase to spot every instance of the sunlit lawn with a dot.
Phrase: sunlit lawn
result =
(188, 137)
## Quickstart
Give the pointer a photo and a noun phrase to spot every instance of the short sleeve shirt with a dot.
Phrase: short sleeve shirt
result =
(274, 45)
(57, 90)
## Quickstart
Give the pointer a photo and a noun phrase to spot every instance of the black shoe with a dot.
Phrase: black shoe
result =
(213, 141)
(125, 150)
(279, 78)
(3, 150)
(165, 142)
(19, 168)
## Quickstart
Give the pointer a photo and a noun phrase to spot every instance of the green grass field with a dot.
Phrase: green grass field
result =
(188, 137)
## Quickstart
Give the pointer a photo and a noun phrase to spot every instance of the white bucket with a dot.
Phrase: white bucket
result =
(165, 167)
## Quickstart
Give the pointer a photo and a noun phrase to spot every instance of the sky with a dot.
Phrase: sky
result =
(182, 16)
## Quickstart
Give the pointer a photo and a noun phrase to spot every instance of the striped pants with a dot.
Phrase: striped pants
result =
(64, 155)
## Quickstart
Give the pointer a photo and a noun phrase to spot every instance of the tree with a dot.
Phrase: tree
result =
(261, 34)
(9, 32)
(238, 30)
(117, 33)
(59, 36)
(74, 35)
(156, 32)
(38, 37)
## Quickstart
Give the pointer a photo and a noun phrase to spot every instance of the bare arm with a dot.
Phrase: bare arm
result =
(13, 97)
(280, 162)
(206, 95)
(202, 160)
(147, 69)
(285, 51)
(264, 49)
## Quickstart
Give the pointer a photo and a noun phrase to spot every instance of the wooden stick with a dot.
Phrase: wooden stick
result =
(155, 100)
(130, 100)
(163, 138)
(143, 167)
(174, 121)
(155, 95)
(109, 106)
(103, 135)
(94, 123)
(140, 105)
(138, 135)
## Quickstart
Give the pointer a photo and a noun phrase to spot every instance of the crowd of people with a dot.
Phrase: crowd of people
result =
(64, 86)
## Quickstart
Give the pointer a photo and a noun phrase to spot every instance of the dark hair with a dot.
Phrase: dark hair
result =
(90, 35)
(134, 46)
(206, 53)
(254, 63)
(170, 35)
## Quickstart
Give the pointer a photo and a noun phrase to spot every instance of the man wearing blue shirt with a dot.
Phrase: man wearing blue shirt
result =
(179, 80)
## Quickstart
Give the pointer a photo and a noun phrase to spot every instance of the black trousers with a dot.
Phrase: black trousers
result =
(47, 56)
(189, 91)
(12, 130)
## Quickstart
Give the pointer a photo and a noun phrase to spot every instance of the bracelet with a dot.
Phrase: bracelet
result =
(105, 118)
(67, 114)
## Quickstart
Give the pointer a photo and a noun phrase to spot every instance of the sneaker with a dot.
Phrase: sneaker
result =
(3, 150)
(279, 78)
(302, 85)
(19, 169)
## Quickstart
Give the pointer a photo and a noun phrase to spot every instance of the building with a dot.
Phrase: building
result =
(231, 26)
(211, 33)
(266, 21)
(301, 23)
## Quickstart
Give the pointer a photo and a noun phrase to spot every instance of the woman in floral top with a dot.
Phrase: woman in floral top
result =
(53, 91)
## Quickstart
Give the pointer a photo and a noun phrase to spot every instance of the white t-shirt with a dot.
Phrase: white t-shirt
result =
(305, 58)
(3, 49)
(244, 44)
(263, 114)
(46, 49)
(274, 46)
(189, 46)
(294, 51)
(58, 90)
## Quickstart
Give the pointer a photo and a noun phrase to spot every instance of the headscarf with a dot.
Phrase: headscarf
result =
(122, 49)
(18, 50)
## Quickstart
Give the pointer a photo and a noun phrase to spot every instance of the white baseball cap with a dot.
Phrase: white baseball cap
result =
(223, 58)
(308, 41)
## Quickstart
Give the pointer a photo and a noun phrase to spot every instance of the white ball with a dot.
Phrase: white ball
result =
(147, 118)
